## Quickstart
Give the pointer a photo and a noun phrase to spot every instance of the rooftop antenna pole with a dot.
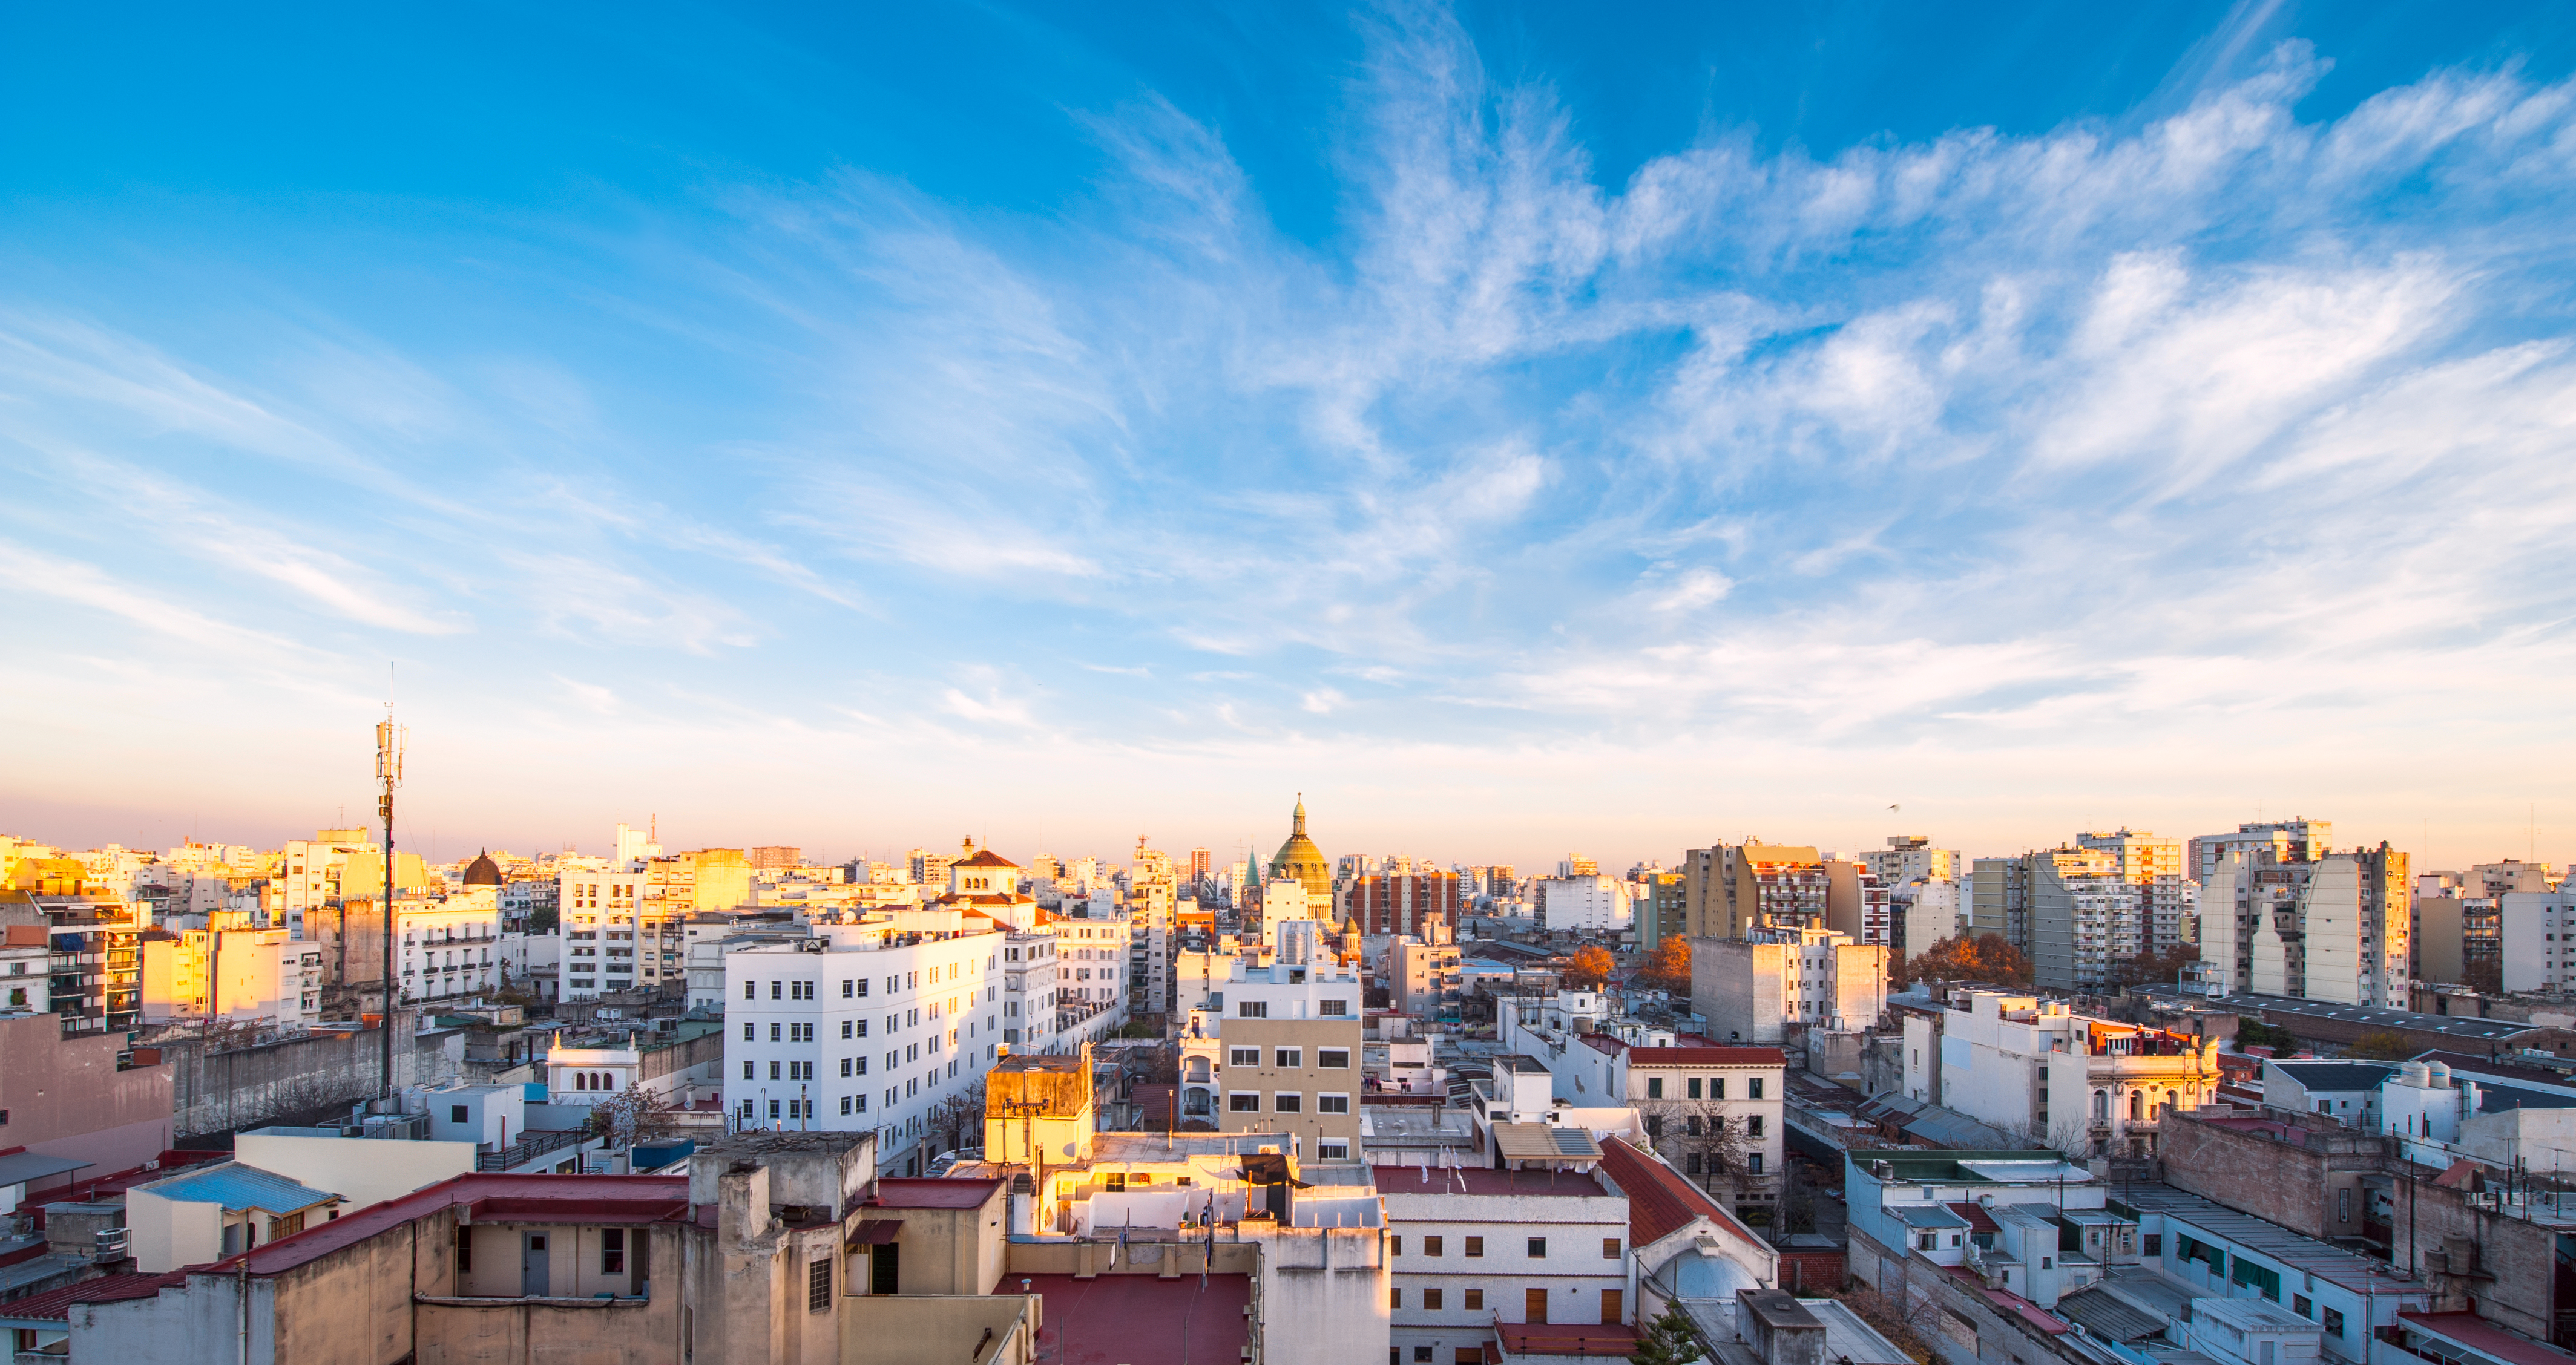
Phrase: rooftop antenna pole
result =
(390, 742)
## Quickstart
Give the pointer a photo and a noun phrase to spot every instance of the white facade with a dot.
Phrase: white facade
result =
(447, 947)
(244, 976)
(1590, 904)
(1029, 986)
(1468, 1249)
(2083, 1085)
(865, 1027)
(308, 876)
(26, 978)
(2539, 929)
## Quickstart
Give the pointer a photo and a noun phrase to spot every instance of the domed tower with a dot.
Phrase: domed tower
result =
(483, 871)
(1300, 859)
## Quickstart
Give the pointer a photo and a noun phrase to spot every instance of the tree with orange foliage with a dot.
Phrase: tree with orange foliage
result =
(1668, 968)
(1983, 958)
(1590, 967)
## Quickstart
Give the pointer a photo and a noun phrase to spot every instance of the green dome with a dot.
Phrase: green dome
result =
(1299, 858)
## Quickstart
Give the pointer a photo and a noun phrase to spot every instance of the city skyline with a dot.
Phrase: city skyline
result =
(1521, 433)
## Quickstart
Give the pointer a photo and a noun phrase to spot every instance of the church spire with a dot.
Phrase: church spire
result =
(1300, 831)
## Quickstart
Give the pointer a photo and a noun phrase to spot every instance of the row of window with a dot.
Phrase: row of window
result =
(852, 987)
(1335, 1008)
(1475, 1246)
(1713, 1089)
(1290, 1058)
(1285, 1102)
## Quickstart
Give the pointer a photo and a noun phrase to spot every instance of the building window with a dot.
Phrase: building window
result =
(1431, 1300)
(1694, 1087)
(1291, 1058)
(747, 1027)
(1753, 1126)
(1252, 1009)
(1333, 1009)
(1338, 1059)
(1395, 1298)
(1654, 1087)
(1243, 1056)
(818, 1284)
(1753, 1163)
(465, 1251)
(1473, 1300)
(1243, 1102)
(2151, 1244)
(612, 1251)
(2334, 1322)
(1475, 1246)
(1538, 1248)
(2303, 1306)
(1332, 1104)
(1717, 1088)
(746, 1072)
(1288, 1102)
(1610, 1248)
(1752, 1089)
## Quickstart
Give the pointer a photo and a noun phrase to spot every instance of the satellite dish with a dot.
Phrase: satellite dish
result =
(1068, 1149)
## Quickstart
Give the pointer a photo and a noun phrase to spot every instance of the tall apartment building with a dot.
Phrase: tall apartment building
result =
(629, 922)
(1583, 903)
(1289, 1041)
(1401, 903)
(2539, 938)
(773, 857)
(863, 1027)
(2280, 841)
(447, 943)
(2337, 927)
(1999, 900)
(1753, 990)
(1662, 908)
(1422, 977)
(309, 877)
(1732, 889)
(2084, 918)
(1911, 858)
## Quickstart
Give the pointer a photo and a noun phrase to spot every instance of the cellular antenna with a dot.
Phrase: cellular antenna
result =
(391, 740)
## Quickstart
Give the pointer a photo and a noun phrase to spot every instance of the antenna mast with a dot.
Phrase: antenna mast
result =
(390, 742)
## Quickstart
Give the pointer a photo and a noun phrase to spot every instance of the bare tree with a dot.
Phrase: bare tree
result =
(633, 1115)
(1704, 1139)
(951, 1120)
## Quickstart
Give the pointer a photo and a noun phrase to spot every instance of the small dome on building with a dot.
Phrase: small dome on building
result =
(483, 871)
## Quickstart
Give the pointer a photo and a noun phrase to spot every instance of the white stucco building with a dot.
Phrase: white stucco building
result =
(2086, 1086)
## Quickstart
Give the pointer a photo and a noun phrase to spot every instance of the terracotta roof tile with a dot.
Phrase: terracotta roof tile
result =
(1660, 1201)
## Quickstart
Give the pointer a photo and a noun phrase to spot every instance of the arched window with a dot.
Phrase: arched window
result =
(2101, 1106)
(2137, 1105)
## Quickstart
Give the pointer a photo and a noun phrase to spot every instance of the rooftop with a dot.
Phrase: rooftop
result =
(1394, 1182)
(2338, 1075)
(1971, 1167)
(2250, 1315)
(1660, 1201)
(2482, 1030)
(2307, 1254)
(238, 1187)
(584, 1199)
(1564, 1339)
(895, 1192)
(1139, 1319)
(2484, 1337)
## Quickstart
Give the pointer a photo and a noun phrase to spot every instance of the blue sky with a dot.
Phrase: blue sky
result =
(1519, 429)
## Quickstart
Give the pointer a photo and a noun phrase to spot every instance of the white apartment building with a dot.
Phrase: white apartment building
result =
(2280, 841)
(2338, 927)
(864, 1027)
(2083, 1085)
(1755, 990)
(1924, 913)
(447, 947)
(1595, 903)
(308, 876)
(1470, 1248)
(1029, 989)
(244, 976)
(26, 970)
(596, 912)
(2539, 932)
(1911, 858)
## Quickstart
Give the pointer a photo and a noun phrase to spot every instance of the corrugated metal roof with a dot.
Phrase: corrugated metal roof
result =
(238, 1187)
(2106, 1314)
(18, 1168)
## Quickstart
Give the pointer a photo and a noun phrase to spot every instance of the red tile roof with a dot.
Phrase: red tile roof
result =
(984, 857)
(1660, 1201)
(932, 1192)
(1713, 1054)
(1139, 1319)
(55, 1305)
(1978, 1219)
(2479, 1334)
(1565, 1339)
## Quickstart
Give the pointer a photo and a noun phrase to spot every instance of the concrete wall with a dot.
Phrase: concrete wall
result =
(248, 1087)
(201, 1320)
(895, 1331)
(169, 1233)
(361, 1170)
(2312, 1185)
(1321, 1297)
(66, 1098)
(1736, 985)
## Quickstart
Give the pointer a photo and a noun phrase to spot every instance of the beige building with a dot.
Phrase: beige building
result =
(1755, 991)
(245, 976)
(1289, 1052)
(1423, 977)
(2337, 928)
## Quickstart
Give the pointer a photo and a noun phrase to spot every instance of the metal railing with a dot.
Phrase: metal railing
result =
(533, 1146)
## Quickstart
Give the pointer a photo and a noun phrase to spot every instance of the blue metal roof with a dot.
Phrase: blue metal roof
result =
(238, 1187)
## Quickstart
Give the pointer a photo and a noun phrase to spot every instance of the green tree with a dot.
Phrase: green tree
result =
(1668, 1340)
